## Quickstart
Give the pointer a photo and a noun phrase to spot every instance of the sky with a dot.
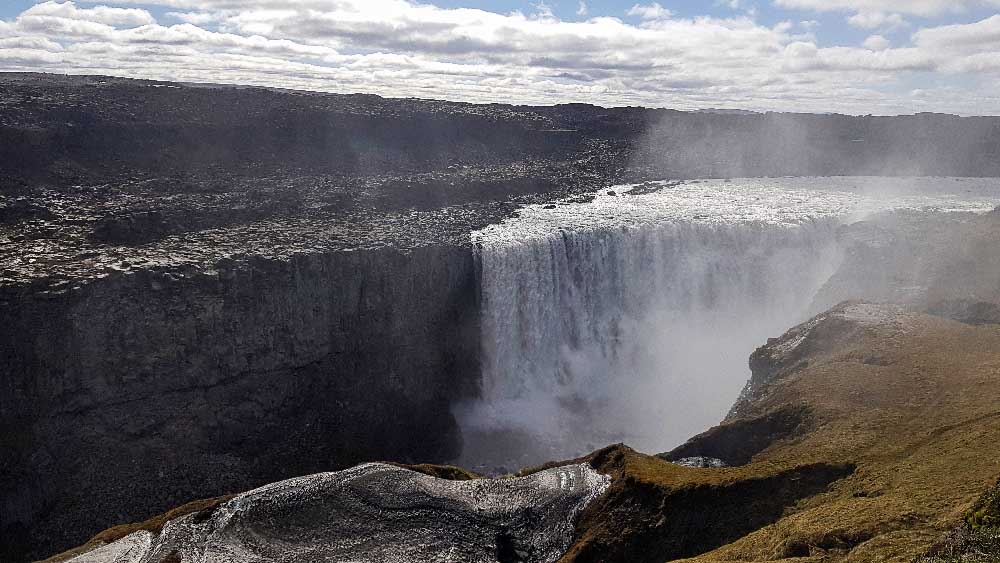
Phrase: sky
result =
(846, 56)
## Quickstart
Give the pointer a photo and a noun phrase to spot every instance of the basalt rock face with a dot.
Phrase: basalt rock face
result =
(131, 394)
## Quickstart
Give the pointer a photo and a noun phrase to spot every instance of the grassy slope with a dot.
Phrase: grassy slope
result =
(915, 406)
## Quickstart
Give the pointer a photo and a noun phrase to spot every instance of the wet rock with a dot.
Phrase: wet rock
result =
(23, 209)
(281, 368)
(701, 462)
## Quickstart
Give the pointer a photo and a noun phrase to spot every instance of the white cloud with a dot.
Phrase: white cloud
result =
(581, 9)
(543, 10)
(401, 48)
(923, 8)
(876, 43)
(877, 20)
(196, 18)
(963, 37)
(118, 17)
(652, 11)
(37, 43)
(65, 28)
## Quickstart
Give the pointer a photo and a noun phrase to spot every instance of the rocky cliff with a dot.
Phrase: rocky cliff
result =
(148, 385)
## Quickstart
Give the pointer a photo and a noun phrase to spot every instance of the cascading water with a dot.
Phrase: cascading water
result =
(631, 317)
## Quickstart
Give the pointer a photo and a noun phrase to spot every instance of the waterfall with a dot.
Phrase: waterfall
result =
(631, 317)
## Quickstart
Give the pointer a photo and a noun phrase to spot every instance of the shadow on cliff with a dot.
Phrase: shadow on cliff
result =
(656, 511)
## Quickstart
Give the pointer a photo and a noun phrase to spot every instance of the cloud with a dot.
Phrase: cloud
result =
(118, 17)
(34, 43)
(923, 8)
(876, 43)
(877, 20)
(196, 18)
(984, 34)
(64, 28)
(652, 11)
(403, 48)
(543, 10)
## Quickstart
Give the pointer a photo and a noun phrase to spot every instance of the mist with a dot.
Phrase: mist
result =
(631, 318)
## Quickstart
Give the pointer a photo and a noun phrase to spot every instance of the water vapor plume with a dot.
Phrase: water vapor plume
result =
(631, 317)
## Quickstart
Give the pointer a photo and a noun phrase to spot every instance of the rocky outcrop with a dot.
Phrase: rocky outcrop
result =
(656, 511)
(781, 357)
(374, 512)
(735, 443)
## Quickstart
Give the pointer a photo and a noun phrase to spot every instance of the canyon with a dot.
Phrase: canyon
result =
(205, 289)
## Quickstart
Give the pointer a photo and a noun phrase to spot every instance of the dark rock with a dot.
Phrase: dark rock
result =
(206, 385)
(967, 311)
(736, 442)
(700, 462)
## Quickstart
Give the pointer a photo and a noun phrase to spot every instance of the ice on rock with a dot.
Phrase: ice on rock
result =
(377, 513)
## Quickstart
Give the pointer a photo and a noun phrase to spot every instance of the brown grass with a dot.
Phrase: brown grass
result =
(155, 524)
(449, 472)
(921, 425)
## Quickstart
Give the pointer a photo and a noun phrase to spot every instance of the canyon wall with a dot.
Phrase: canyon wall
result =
(136, 392)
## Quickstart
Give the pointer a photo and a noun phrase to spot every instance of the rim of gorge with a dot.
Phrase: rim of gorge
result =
(215, 292)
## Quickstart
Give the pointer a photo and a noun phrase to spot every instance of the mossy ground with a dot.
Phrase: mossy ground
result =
(203, 508)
